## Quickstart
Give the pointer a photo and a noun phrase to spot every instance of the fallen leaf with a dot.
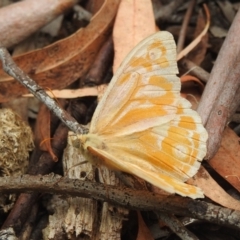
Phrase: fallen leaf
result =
(93, 6)
(226, 162)
(134, 22)
(61, 63)
(212, 190)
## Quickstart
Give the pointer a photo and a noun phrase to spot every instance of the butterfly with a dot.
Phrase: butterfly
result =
(143, 126)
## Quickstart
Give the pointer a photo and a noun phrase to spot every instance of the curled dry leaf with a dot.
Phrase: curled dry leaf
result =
(19, 20)
(42, 132)
(190, 78)
(197, 40)
(61, 63)
(198, 53)
(191, 89)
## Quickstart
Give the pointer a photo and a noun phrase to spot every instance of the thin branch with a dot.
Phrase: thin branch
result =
(13, 70)
(101, 64)
(176, 226)
(125, 197)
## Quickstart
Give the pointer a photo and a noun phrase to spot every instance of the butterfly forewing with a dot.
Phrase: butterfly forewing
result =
(142, 83)
(143, 126)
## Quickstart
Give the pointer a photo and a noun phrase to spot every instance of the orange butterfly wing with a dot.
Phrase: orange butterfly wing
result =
(143, 126)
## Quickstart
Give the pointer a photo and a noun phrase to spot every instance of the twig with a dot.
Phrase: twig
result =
(183, 31)
(13, 70)
(101, 64)
(176, 226)
(125, 197)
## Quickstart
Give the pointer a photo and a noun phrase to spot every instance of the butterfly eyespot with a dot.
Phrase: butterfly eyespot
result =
(155, 54)
(180, 151)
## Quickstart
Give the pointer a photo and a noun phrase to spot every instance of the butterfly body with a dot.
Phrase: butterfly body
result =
(143, 126)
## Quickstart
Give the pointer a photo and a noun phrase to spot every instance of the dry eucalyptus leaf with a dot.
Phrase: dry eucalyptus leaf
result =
(226, 161)
(213, 190)
(59, 64)
(134, 22)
